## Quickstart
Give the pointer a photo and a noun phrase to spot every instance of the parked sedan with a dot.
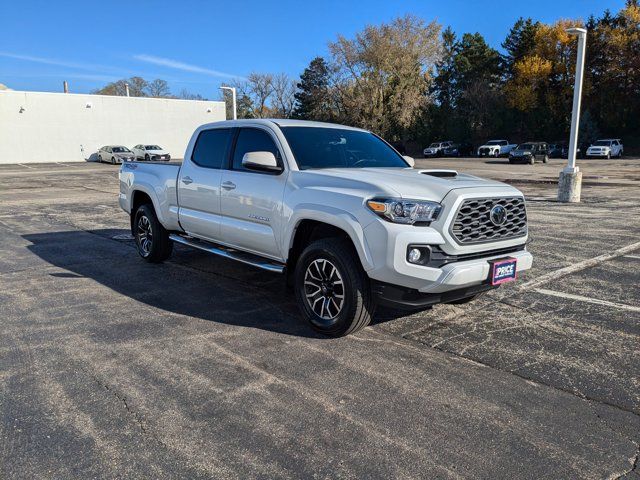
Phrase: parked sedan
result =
(558, 150)
(151, 152)
(529, 152)
(607, 148)
(115, 154)
(462, 149)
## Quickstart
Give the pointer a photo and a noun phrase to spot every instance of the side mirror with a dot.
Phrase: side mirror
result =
(409, 160)
(264, 161)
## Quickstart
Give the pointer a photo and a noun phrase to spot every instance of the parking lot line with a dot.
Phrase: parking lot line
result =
(637, 257)
(25, 166)
(576, 267)
(580, 298)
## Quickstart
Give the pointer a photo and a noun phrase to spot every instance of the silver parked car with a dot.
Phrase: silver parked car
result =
(115, 154)
(151, 152)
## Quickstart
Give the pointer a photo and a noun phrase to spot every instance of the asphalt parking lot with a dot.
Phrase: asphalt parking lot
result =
(201, 368)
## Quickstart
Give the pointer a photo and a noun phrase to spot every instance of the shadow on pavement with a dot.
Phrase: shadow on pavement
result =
(191, 283)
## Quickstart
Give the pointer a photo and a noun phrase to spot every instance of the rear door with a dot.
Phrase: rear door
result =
(199, 184)
(251, 201)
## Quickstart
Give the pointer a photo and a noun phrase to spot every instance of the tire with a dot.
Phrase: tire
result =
(620, 154)
(545, 159)
(113, 160)
(532, 160)
(608, 155)
(331, 265)
(152, 239)
(147, 157)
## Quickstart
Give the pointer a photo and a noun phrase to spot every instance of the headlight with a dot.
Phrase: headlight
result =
(405, 211)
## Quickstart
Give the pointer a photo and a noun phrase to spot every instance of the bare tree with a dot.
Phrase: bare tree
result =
(283, 101)
(187, 95)
(137, 87)
(255, 93)
(158, 88)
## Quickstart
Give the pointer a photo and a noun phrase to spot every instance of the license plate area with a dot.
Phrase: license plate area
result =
(502, 270)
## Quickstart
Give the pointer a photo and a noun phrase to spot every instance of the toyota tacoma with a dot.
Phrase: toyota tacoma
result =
(341, 214)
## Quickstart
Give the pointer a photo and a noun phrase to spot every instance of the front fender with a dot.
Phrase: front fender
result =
(336, 217)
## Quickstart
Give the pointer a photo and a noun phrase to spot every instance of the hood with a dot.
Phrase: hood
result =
(408, 183)
(489, 146)
(158, 152)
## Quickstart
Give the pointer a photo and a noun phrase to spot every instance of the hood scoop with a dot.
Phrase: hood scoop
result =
(440, 173)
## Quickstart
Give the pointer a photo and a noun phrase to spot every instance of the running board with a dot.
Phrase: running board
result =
(231, 253)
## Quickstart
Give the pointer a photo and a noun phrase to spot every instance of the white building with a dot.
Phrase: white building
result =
(66, 127)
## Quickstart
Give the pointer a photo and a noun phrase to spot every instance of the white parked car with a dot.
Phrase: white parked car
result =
(336, 210)
(150, 152)
(496, 148)
(115, 154)
(436, 149)
(606, 148)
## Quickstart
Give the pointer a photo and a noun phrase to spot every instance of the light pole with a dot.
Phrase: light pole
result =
(233, 96)
(570, 181)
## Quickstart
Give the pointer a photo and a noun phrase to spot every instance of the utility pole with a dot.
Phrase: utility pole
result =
(65, 86)
(233, 97)
(570, 181)
(126, 89)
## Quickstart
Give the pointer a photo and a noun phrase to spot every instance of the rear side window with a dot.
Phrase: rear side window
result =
(253, 140)
(211, 148)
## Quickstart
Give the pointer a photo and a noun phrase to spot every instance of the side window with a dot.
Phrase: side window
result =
(253, 140)
(210, 150)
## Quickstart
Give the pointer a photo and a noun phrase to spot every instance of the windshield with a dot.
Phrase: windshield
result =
(120, 150)
(152, 147)
(319, 147)
(525, 146)
(434, 145)
(602, 143)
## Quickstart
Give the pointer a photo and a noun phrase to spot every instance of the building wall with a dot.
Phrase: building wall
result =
(64, 127)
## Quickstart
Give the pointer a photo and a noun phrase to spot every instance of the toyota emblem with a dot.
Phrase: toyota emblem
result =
(498, 215)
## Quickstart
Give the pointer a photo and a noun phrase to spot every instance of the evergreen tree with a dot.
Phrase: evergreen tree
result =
(312, 97)
(520, 42)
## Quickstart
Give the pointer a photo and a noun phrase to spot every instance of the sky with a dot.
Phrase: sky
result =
(197, 45)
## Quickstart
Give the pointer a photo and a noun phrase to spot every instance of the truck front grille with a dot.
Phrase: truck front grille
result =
(473, 223)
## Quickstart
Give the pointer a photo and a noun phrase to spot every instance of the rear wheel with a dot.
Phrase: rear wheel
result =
(545, 159)
(113, 160)
(332, 290)
(152, 239)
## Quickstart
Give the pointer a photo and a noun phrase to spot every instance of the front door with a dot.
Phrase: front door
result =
(251, 201)
(199, 184)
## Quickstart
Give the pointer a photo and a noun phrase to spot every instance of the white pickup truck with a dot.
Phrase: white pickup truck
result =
(337, 210)
(496, 148)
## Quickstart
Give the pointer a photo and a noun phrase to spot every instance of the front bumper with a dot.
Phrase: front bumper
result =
(597, 154)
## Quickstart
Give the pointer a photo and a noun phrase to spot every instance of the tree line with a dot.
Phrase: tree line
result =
(414, 82)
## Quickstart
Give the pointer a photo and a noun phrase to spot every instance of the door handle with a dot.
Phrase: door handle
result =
(187, 180)
(228, 185)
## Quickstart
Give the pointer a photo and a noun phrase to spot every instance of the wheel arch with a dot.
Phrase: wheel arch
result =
(310, 225)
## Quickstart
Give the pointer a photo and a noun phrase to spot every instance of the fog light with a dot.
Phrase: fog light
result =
(414, 255)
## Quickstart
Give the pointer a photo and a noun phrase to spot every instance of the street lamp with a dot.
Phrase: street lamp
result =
(233, 96)
(570, 181)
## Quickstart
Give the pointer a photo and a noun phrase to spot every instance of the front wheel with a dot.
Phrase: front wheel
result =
(147, 157)
(545, 159)
(152, 239)
(113, 160)
(332, 290)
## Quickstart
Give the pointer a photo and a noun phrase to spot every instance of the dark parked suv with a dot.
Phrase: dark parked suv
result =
(462, 149)
(530, 152)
